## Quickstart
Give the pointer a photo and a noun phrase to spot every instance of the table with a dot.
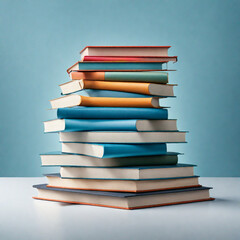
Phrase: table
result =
(21, 217)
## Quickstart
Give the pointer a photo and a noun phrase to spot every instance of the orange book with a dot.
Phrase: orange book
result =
(87, 75)
(77, 100)
(132, 87)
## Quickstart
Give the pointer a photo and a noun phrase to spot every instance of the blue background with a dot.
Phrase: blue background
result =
(41, 39)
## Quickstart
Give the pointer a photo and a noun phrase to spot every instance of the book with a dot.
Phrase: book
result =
(139, 51)
(115, 87)
(129, 173)
(112, 113)
(115, 66)
(128, 59)
(61, 159)
(114, 150)
(151, 77)
(73, 100)
(110, 93)
(123, 200)
(55, 180)
(123, 137)
(74, 125)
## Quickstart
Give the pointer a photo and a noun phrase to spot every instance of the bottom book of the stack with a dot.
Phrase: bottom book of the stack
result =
(123, 200)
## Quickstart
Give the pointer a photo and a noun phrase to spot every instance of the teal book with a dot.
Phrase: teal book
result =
(80, 125)
(112, 66)
(129, 173)
(112, 113)
(114, 150)
(143, 76)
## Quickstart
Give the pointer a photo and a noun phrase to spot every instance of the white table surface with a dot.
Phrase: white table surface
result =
(22, 217)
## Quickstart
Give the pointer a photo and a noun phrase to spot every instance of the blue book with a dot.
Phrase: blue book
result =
(123, 200)
(129, 173)
(114, 150)
(79, 125)
(108, 93)
(115, 66)
(111, 113)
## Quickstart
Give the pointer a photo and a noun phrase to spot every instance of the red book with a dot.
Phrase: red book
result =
(129, 59)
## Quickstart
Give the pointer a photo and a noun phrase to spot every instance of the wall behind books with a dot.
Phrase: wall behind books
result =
(41, 39)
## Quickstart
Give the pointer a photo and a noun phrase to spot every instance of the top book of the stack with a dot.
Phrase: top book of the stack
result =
(127, 53)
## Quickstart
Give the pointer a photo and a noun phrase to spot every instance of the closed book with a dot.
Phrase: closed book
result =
(108, 93)
(133, 173)
(75, 125)
(123, 200)
(123, 137)
(114, 150)
(78, 100)
(63, 159)
(140, 51)
(112, 113)
(129, 59)
(55, 180)
(115, 87)
(151, 77)
(115, 66)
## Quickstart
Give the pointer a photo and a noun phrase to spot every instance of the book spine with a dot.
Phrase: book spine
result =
(117, 102)
(95, 66)
(141, 88)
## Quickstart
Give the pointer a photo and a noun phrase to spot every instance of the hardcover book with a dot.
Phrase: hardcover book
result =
(123, 137)
(130, 87)
(62, 159)
(55, 180)
(125, 51)
(73, 100)
(114, 150)
(123, 200)
(116, 66)
(77, 125)
(129, 59)
(149, 76)
(112, 113)
(129, 173)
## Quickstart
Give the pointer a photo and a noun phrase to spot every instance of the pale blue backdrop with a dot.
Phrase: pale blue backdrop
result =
(41, 39)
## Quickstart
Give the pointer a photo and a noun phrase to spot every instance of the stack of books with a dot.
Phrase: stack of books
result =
(114, 133)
